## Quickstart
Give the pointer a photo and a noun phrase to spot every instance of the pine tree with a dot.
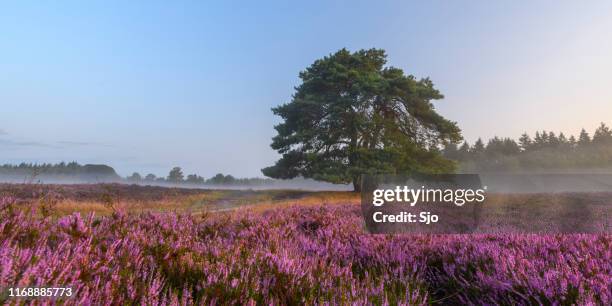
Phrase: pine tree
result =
(525, 142)
(562, 138)
(538, 141)
(584, 138)
(603, 135)
(545, 139)
(464, 151)
(572, 141)
(563, 142)
(352, 115)
(553, 141)
(510, 147)
(494, 146)
(478, 147)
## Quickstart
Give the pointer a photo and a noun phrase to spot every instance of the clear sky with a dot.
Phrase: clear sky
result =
(146, 85)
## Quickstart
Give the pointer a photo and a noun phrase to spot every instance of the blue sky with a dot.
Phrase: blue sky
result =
(145, 85)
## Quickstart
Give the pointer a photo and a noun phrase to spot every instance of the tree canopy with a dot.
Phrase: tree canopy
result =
(353, 115)
(175, 175)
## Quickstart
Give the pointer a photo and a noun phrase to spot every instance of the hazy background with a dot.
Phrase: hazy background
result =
(144, 87)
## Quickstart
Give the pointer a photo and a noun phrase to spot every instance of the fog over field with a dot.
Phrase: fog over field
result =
(545, 183)
(498, 183)
(296, 184)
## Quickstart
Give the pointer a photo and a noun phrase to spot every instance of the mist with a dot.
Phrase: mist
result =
(547, 182)
(293, 184)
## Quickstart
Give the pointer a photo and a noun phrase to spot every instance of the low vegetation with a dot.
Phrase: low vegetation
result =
(299, 251)
(104, 199)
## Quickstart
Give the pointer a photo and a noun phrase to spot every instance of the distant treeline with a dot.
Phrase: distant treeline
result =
(540, 152)
(75, 172)
(61, 171)
(176, 176)
(544, 151)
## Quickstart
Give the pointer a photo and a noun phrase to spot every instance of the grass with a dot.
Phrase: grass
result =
(104, 199)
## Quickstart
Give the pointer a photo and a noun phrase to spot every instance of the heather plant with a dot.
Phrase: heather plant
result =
(48, 202)
(294, 255)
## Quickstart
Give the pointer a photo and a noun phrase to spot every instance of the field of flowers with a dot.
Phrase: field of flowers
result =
(291, 255)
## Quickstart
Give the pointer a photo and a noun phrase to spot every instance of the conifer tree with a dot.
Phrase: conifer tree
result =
(352, 115)
(603, 135)
(584, 138)
(478, 147)
(525, 142)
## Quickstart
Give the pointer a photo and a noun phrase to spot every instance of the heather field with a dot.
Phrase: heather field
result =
(278, 247)
(104, 199)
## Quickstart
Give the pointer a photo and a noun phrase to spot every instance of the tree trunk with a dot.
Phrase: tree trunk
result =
(356, 184)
